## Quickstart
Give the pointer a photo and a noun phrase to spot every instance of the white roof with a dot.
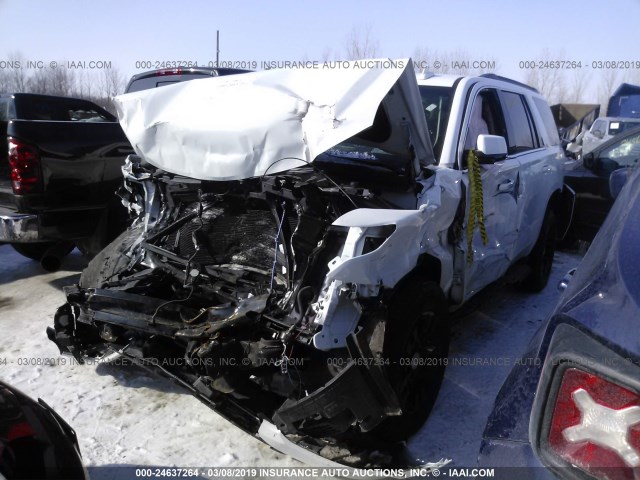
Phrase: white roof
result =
(438, 80)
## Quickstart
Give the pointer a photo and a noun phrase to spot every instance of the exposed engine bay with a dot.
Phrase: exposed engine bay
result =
(300, 294)
(223, 286)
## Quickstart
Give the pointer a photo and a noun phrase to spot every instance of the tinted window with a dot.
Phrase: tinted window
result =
(549, 123)
(436, 102)
(86, 115)
(61, 109)
(520, 135)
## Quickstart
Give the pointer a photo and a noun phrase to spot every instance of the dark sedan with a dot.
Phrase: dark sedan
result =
(571, 405)
(589, 178)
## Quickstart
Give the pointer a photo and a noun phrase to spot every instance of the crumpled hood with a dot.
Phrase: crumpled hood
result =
(242, 126)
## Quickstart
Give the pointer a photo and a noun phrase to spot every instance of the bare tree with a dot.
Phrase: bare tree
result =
(609, 80)
(98, 86)
(423, 59)
(579, 82)
(53, 81)
(4, 82)
(38, 82)
(361, 44)
(549, 81)
(111, 82)
(85, 84)
(459, 62)
(328, 54)
(16, 77)
(63, 82)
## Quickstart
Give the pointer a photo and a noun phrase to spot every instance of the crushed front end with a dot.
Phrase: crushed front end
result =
(222, 286)
(284, 258)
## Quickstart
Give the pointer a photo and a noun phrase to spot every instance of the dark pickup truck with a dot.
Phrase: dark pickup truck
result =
(60, 162)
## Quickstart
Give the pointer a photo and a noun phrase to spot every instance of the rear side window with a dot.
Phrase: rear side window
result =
(62, 109)
(86, 115)
(519, 128)
(548, 122)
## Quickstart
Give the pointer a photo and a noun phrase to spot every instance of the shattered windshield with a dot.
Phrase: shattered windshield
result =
(359, 148)
(436, 102)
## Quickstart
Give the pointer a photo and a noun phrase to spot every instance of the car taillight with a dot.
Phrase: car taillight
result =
(24, 162)
(169, 71)
(596, 425)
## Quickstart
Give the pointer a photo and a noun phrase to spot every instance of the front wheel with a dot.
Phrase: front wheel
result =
(541, 257)
(416, 346)
(111, 261)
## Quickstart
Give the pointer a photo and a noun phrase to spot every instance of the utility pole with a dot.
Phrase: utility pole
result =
(217, 47)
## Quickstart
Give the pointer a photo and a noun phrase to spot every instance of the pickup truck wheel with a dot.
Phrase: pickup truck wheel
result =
(541, 257)
(35, 251)
(111, 260)
(416, 345)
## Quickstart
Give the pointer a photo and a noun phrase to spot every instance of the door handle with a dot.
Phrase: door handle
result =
(505, 187)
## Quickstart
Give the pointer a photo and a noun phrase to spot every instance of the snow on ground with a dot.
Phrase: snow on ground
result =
(126, 416)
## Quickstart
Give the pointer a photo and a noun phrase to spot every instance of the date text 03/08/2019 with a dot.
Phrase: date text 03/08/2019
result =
(268, 64)
(311, 472)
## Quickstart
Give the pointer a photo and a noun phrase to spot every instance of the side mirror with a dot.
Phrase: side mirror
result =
(491, 148)
(598, 133)
(590, 161)
(617, 179)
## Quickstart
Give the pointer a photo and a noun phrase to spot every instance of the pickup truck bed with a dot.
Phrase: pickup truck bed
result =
(70, 171)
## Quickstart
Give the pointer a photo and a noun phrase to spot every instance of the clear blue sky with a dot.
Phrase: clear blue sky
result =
(124, 32)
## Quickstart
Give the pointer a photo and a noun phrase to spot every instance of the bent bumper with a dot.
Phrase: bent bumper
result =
(512, 459)
(272, 436)
(50, 226)
(19, 228)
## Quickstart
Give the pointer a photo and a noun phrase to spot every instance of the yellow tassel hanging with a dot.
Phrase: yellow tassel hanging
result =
(476, 209)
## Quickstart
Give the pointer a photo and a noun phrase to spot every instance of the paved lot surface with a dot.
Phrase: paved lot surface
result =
(124, 416)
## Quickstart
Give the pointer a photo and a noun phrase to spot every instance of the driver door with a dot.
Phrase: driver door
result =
(500, 192)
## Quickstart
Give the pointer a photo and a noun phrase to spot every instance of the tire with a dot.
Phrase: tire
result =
(110, 261)
(35, 251)
(118, 219)
(416, 345)
(541, 257)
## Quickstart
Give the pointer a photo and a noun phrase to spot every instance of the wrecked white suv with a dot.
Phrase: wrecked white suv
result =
(301, 235)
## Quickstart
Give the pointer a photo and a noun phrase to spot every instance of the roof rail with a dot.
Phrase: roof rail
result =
(493, 76)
